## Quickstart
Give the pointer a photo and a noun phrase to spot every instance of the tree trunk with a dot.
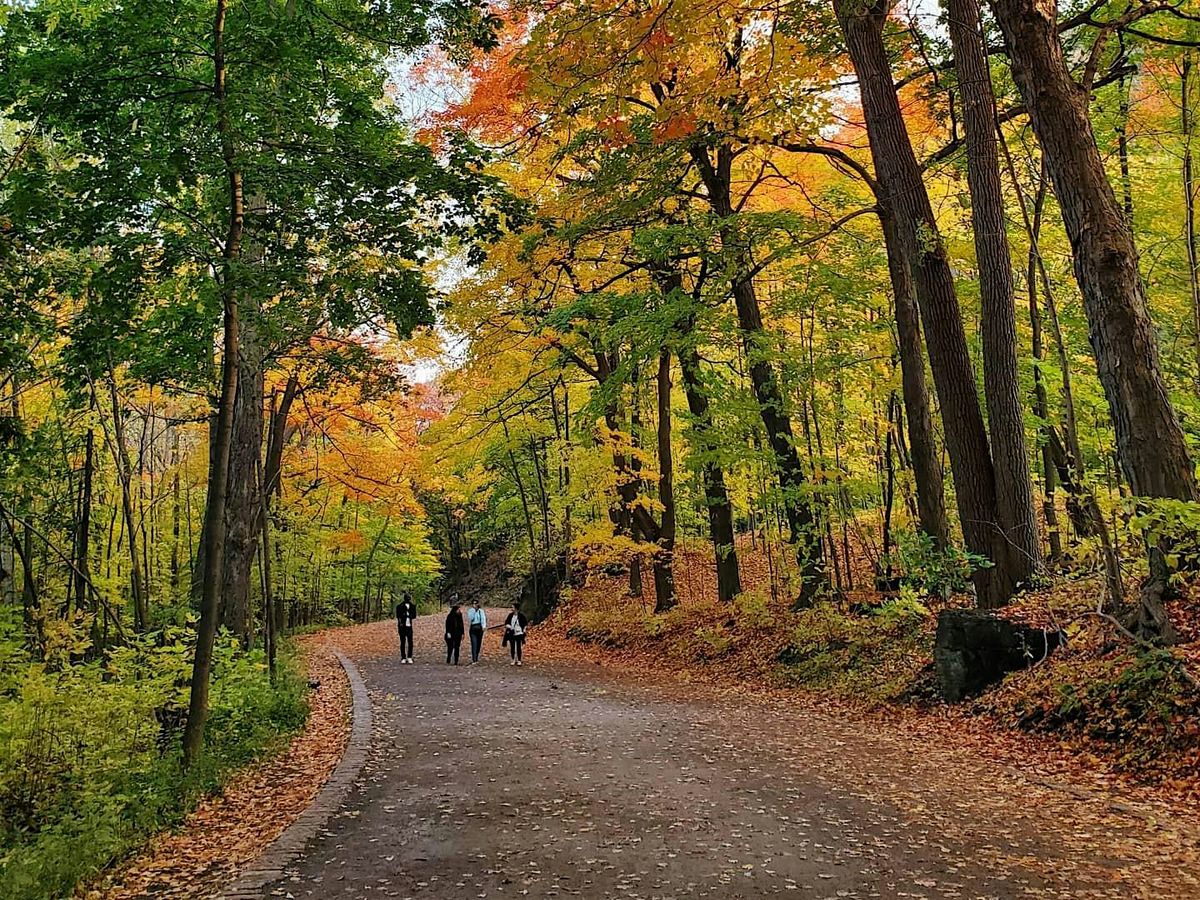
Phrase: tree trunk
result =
(1041, 409)
(664, 557)
(214, 525)
(712, 476)
(899, 178)
(1150, 442)
(244, 507)
(83, 530)
(923, 451)
(176, 511)
(1188, 124)
(125, 477)
(1018, 555)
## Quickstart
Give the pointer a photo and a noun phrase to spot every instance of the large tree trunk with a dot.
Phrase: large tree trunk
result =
(243, 509)
(1019, 558)
(899, 178)
(923, 451)
(243, 512)
(804, 533)
(712, 476)
(1150, 442)
(214, 524)
(664, 557)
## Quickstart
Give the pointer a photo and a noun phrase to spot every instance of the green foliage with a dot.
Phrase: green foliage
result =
(934, 572)
(1173, 526)
(89, 753)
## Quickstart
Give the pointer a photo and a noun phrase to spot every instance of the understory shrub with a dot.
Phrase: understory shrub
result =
(876, 656)
(90, 751)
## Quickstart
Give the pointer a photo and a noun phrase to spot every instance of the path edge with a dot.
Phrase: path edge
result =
(269, 865)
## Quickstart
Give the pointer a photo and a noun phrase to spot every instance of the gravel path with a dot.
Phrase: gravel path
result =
(551, 781)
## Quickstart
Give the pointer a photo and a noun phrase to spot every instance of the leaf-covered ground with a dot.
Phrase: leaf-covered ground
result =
(230, 829)
(1099, 707)
(564, 779)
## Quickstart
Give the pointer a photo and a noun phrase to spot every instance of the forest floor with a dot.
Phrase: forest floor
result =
(564, 778)
(233, 827)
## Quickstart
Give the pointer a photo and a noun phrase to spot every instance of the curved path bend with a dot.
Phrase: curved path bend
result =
(552, 781)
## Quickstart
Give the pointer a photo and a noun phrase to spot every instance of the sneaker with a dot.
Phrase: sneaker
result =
(520, 663)
(514, 662)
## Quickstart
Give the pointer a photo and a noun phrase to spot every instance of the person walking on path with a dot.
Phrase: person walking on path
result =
(514, 633)
(406, 614)
(477, 622)
(454, 633)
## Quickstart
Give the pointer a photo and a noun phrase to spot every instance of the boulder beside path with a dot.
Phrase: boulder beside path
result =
(974, 648)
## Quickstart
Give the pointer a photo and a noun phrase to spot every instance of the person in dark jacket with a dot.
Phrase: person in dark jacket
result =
(514, 633)
(454, 633)
(406, 614)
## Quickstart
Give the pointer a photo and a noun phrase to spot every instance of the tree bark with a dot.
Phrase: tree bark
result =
(1150, 442)
(923, 451)
(712, 476)
(1018, 557)
(664, 557)
(214, 525)
(899, 178)
(244, 508)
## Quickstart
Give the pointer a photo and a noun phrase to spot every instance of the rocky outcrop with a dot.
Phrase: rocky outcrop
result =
(974, 649)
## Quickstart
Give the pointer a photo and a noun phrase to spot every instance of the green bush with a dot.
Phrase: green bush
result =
(935, 572)
(90, 752)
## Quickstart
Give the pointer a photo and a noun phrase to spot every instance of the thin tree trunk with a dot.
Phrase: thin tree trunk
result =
(120, 455)
(804, 530)
(1188, 124)
(1019, 557)
(176, 511)
(83, 530)
(214, 525)
(923, 451)
(664, 557)
(712, 476)
(899, 178)
(1041, 400)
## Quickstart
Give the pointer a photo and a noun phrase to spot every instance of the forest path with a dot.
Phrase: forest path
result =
(552, 780)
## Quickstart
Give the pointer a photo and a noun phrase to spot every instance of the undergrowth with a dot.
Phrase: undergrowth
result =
(1134, 703)
(89, 751)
